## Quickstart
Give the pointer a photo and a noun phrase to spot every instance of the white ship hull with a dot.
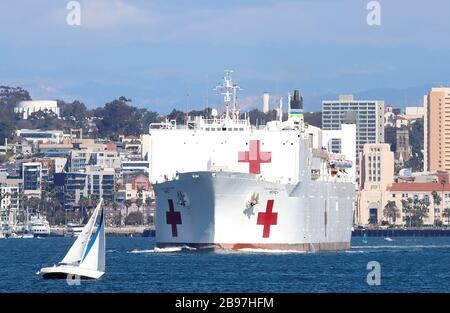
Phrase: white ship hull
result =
(211, 209)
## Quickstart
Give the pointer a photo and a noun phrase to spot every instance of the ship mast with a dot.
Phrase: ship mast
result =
(229, 89)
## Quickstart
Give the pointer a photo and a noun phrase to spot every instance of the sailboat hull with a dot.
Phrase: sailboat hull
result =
(69, 272)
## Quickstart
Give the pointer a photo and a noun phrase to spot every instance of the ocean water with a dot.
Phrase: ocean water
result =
(133, 265)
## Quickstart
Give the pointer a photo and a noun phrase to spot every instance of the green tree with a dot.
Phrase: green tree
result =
(120, 117)
(390, 137)
(416, 143)
(313, 118)
(436, 201)
(134, 218)
(32, 203)
(127, 203)
(139, 202)
(258, 117)
(178, 116)
(391, 212)
(46, 120)
(446, 214)
(407, 208)
(84, 202)
(7, 130)
(415, 211)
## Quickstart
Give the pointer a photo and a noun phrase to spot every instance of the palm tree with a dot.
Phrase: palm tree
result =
(32, 202)
(127, 205)
(447, 215)
(420, 210)
(391, 211)
(84, 202)
(139, 203)
(407, 209)
(436, 201)
(416, 211)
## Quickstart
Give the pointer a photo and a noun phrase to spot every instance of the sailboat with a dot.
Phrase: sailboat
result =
(86, 258)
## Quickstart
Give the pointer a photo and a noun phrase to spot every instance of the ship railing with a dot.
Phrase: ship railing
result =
(224, 121)
(163, 125)
(334, 179)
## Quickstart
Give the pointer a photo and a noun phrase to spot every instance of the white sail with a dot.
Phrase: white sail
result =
(94, 257)
(79, 247)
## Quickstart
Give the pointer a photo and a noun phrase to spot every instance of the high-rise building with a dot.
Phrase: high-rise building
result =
(437, 130)
(369, 118)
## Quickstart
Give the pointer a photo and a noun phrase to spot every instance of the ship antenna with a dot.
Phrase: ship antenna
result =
(235, 112)
(225, 90)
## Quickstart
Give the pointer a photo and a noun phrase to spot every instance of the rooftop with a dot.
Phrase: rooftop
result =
(419, 187)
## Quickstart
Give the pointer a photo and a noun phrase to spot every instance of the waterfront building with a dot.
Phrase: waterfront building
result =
(10, 200)
(32, 178)
(433, 187)
(131, 147)
(130, 168)
(437, 130)
(94, 181)
(101, 156)
(369, 118)
(377, 173)
(436, 213)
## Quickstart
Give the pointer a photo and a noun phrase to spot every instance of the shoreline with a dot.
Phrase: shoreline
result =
(149, 231)
(125, 231)
(420, 232)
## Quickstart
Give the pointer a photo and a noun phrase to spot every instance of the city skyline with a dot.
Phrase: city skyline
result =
(171, 54)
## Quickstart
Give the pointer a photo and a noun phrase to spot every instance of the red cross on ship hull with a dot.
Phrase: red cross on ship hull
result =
(267, 219)
(255, 157)
(173, 218)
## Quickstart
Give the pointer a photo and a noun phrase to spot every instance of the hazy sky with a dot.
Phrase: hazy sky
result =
(157, 52)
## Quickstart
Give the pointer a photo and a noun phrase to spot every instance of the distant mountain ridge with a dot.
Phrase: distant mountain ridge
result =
(397, 97)
(157, 99)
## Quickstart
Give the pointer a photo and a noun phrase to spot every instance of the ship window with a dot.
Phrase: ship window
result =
(229, 129)
(241, 129)
(207, 129)
(236, 129)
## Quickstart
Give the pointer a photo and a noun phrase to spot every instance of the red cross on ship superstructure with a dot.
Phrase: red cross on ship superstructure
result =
(255, 157)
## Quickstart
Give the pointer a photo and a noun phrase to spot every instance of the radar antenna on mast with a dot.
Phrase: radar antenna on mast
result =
(227, 88)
